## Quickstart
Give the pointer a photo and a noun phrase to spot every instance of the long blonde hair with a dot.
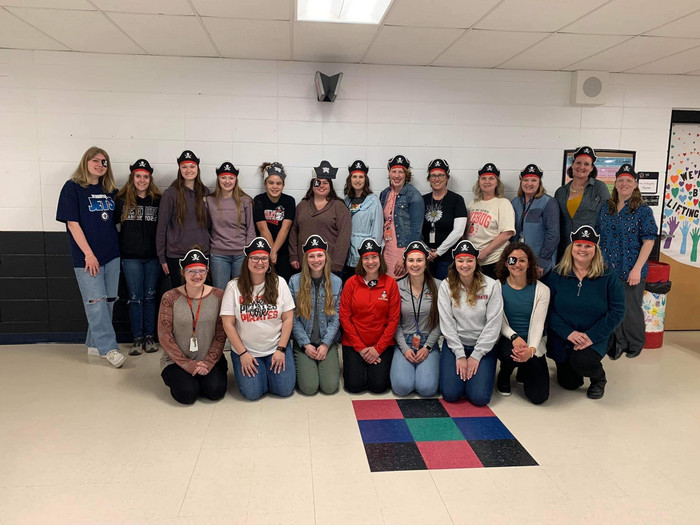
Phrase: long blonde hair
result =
(566, 265)
(238, 196)
(479, 193)
(128, 194)
(81, 173)
(303, 298)
(456, 285)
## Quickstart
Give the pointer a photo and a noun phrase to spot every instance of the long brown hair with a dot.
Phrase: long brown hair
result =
(456, 286)
(303, 298)
(245, 284)
(238, 196)
(350, 191)
(200, 192)
(80, 175)
(128, 194)
(360, 270)
(502, 270)
(434, 318)
(635, 201)
(331, 194)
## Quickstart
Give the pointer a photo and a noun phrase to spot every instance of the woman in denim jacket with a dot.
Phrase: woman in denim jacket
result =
(403, 214)
(316, 292)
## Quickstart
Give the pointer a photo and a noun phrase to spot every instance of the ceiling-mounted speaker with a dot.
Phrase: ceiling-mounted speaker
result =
(588, 88)
(327, 87)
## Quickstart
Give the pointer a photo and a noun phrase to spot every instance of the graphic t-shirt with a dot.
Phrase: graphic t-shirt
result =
(93, 209)
(274, 213)
(440, 216)
(486, 220)
(259, 324)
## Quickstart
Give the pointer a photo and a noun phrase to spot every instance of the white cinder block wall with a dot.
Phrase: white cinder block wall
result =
(55, 105)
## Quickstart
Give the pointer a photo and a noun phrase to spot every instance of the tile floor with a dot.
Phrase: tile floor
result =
(81, 442)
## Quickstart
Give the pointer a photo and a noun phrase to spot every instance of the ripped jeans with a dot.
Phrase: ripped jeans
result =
(99, 294)
(141, 276)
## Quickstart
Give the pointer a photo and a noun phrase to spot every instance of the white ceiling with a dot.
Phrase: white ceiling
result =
(636, 36)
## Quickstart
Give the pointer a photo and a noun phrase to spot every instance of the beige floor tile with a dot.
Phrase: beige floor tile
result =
(410, 497)
(281, 518)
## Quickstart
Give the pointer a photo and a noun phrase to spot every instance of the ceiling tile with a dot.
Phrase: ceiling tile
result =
(686, 26)
(635, 52)
(478, 48)
(255, 39)
(527, 15)
(166, 34)
(326, 42)
(89, 31)
(16, 34)
(410, 45)
(560, 50)
(632, 17)
(50, 4)
(685, 62)
(154, 7)
(437, 13)
(255, 9)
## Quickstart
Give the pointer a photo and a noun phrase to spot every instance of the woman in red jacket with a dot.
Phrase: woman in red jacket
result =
(370, 307)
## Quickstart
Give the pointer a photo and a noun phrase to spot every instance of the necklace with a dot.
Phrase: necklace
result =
(572, 190)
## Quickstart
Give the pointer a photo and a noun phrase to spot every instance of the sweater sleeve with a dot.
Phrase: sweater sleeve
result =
(249, 222)
(492, 329)
(349, 331)
(165, 333)
(448, 323)
(555, 321)
(217, 344)
(342, 243)
(165, 212)
(602, 329)
(387, 338)
(459, 227)
(550, 221)
(539, 315)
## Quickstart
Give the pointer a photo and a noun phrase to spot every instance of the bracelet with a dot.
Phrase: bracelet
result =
(243, 352)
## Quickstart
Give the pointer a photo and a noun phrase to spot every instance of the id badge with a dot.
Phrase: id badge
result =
(193, 344)
(522, 239)
(431, 237)
(415, 344)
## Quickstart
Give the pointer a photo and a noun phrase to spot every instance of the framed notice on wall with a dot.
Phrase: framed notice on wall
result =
(608, 162)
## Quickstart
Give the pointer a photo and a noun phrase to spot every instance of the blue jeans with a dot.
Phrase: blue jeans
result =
(99, 294)
(224, 268)
(266, 380)
(407, 377)
(478, 389)
(141, 276)
(438, 269)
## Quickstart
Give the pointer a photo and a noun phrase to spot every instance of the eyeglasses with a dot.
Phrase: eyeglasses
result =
(195, 272)
(437, 176)
(260, 259)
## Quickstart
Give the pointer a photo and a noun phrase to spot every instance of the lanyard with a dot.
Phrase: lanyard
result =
(194, 318)
(526, 208)
(416, 314)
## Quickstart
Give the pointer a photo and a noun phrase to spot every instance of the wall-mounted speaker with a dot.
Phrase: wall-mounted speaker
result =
(588, 88)
(327, 87)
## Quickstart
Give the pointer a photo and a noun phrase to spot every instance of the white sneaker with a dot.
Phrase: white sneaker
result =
(93, 351)
(115, 358)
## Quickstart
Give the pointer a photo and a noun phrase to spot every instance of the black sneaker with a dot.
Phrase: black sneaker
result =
(597, 389)
(149, 345)
(617, 354)
(136, 346)
(633, 353)
(503, 383)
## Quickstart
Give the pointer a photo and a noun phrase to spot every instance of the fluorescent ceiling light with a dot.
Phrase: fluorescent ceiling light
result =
(346, 11)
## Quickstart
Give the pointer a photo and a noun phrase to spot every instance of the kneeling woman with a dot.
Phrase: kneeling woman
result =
(316, 324)
(416, 360)
(370, 307)
(258, 314)
(587, 304)
(471, 310)
(525, 303)
(192, 336)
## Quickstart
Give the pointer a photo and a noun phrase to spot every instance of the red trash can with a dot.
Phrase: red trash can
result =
(654, 303)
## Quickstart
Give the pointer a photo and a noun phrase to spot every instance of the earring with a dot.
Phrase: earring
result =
(269, 269)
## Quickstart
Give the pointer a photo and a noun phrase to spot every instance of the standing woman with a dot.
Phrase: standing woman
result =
(366, 213)
(192, 335)
(258, 314)
(370, 307)
(536, 218)
(491, 219)
(231, 217)
(525, 303)
(403, 210)
(316, 292)
(416, 361)
(322, 212)
(86, 205)
(182, 217)
(273, 213)
(137, 211)
(627, 233)
(581, 198)
(587, 303)
(471, 310)
(445, 218)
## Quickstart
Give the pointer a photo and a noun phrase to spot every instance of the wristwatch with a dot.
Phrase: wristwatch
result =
(513, 337)
(282, 349)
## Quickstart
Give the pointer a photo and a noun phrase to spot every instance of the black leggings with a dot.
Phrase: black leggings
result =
(358, 376)
(574, 365)
(533, 372)
(186, 388)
